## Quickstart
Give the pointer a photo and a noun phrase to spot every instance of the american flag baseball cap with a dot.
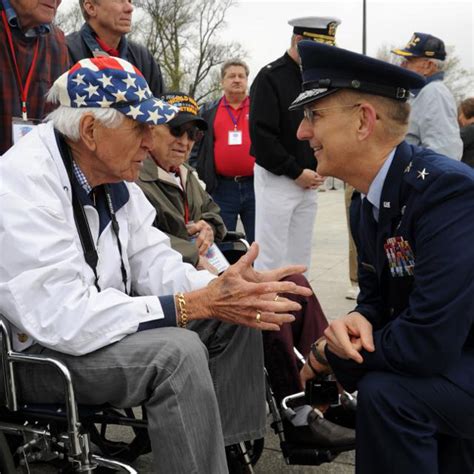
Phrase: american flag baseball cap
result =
(110, 82)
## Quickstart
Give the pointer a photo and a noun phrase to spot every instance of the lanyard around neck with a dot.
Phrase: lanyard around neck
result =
(235, 120)
(26, 87)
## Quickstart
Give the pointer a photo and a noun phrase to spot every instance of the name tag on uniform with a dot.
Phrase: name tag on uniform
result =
(235, 137)
(21, 127)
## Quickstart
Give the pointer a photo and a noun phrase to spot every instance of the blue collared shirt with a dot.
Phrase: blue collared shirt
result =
(81, 178)
(375, 189)
(14, 22)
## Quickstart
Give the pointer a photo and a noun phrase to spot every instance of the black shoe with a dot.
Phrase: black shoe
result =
(327, 434)
(235, 460)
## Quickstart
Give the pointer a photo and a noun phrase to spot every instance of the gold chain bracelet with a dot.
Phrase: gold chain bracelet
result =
(182, 312)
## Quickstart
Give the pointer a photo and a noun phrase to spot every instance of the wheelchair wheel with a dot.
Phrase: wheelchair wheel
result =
(7, 466)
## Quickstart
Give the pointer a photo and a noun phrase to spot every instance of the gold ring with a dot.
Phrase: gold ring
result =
(276, 298)
(258, 317)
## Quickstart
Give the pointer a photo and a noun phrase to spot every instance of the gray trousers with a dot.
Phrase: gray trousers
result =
(199, 394)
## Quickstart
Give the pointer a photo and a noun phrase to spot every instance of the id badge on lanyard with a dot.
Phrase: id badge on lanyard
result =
(21, 127)
(235, 137)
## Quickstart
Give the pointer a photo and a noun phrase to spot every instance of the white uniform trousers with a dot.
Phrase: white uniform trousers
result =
(284, 220)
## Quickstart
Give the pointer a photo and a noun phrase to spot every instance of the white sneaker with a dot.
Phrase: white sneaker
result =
(352, 292)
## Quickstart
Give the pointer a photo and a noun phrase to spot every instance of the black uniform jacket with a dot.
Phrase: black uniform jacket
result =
(272, 127)
(202, 155)
(423, 324)
(82, 44)
(467, 136)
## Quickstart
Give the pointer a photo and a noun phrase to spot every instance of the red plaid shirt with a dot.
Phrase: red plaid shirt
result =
(52, 62)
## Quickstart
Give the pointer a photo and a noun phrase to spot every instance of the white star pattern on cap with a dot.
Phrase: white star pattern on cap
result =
(106, 80)
(104, 103)
(91, 90)
(130, 81)
(141, 93)
(153, 116)
(120, 96)
(79, 79)
(134, 112)
(80, 100)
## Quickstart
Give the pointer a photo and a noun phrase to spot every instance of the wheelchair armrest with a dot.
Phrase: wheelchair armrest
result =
(9, 357)
(233, 235)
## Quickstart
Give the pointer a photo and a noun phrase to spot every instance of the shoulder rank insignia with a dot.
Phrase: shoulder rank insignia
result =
(422, 174)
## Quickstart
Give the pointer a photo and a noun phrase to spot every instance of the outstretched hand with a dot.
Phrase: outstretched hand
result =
(242, 296)
(250, 274)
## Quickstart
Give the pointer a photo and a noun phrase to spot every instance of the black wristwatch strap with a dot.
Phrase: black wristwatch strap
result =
(317, 355)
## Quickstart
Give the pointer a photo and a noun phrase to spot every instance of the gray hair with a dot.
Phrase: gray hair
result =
(67, 119)
(438, 63)
(234, 62)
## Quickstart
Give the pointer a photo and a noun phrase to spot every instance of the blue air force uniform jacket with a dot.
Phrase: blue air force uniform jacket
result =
(423, 317)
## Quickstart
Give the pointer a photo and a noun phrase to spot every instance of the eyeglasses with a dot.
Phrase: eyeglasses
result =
(311, 114)
(193, 131)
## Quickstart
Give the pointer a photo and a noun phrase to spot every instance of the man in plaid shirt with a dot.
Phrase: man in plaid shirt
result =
(33, 54)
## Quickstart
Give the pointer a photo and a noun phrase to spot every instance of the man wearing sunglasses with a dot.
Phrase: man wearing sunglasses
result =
(183, 208)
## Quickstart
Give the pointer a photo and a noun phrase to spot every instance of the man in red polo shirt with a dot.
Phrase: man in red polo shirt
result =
(223, 158)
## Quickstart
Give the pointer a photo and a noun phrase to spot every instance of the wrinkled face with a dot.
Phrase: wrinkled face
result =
(421, 66)
(329, 133)
(235, 80)
(114, 16)
(169, 151)
(120, 151)
(35, 12)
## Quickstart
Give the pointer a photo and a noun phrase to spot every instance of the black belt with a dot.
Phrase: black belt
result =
(237, 179)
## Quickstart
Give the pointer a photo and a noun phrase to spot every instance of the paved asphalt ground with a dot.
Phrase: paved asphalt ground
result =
(329, 278)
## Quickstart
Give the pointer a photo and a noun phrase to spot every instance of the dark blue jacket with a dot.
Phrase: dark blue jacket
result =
(423, 324)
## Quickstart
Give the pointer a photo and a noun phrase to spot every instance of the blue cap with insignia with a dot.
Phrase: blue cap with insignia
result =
(316, 28)
(422, 45)
(327, 69)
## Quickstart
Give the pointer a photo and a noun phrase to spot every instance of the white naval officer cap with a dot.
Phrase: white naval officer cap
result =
(316, 28)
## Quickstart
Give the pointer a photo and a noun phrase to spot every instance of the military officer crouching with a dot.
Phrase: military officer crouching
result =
(408, 346)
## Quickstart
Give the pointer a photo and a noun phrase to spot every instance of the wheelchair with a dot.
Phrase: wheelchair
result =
(72, 437)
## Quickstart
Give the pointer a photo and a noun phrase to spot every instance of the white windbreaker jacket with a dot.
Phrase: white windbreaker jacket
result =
(47, 289)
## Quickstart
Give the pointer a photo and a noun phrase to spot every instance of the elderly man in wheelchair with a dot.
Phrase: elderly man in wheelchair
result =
(86, 280)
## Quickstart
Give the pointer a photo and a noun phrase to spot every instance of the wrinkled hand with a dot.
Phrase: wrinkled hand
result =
(250, 274)
(205, 235)
(204, 264)
(348, 335)
(309, 179)
(233, 299)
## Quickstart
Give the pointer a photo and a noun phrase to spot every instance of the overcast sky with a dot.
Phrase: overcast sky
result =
(261, 25)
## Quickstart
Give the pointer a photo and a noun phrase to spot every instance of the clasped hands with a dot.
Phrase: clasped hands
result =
(345, 337)
(309, 179)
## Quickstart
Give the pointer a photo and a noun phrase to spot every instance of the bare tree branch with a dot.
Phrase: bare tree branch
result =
(183, 37)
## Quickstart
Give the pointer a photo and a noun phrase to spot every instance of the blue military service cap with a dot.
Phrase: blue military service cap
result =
(422, 45)
(327, 69)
